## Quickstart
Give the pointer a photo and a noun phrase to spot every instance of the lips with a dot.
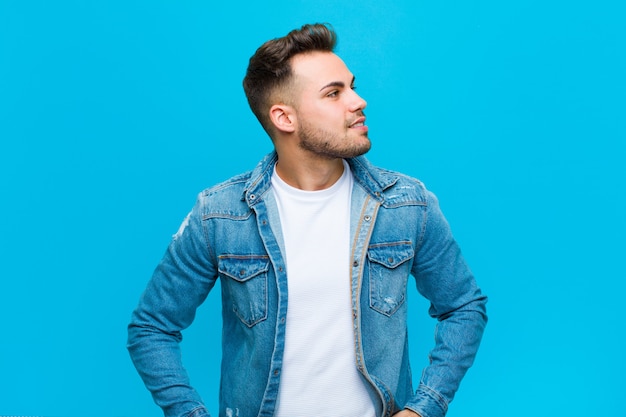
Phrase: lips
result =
(359, 122)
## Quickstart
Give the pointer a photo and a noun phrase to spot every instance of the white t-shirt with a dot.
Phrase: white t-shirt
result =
(319, 375)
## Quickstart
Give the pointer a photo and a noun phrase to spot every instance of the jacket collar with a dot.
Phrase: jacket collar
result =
(374, 180)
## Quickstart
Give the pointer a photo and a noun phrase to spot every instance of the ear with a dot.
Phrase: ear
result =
(283, 118)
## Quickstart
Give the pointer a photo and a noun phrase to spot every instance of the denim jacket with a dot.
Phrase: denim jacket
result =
(233, 233)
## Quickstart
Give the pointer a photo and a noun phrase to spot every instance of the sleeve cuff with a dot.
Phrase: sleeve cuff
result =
(428, 403)
(200, 411)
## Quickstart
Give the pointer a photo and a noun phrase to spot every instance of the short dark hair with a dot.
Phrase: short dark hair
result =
(269, 69)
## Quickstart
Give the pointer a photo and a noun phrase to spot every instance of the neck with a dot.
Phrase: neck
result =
(311, 174)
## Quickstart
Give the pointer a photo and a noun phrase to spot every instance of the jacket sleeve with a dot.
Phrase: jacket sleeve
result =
(180, 283)
(443, 277)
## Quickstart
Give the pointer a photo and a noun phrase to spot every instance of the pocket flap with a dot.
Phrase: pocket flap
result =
(390, 255)
(242, 268)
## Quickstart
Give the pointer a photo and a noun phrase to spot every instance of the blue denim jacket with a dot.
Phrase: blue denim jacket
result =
(233, 233)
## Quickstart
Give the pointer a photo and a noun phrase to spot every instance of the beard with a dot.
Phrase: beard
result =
(330, 145)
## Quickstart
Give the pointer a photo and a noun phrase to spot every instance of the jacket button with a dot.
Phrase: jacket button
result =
(252, 197)
(355, 263)
(367, 218)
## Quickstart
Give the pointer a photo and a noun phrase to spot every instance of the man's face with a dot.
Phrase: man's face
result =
(330, 118)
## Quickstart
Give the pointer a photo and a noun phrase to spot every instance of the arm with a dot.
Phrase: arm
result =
(443, 277)
(178, 286)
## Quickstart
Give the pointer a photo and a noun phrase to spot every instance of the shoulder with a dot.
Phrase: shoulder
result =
(233, 185)
(393, 186)
(225, 199)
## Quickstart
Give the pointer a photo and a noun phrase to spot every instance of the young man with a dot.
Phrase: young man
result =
(313, 249)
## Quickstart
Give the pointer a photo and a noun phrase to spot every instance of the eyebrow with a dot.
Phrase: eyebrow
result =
(337, 84)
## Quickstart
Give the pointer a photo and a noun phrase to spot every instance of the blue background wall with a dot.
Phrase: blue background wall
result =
(113, 115)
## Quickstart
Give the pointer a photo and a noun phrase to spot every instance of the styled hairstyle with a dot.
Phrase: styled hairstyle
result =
(269, 70)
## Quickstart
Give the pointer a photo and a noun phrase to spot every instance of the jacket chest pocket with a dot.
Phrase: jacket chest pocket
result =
(245, 279)
(389, 268)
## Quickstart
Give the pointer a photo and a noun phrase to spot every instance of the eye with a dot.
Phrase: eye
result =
(333, 93)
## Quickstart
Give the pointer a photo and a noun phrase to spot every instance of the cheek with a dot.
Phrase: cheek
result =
(323, 115)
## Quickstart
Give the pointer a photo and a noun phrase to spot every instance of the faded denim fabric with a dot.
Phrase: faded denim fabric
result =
(233, 234)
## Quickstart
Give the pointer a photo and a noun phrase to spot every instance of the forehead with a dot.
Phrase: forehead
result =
(317, 69)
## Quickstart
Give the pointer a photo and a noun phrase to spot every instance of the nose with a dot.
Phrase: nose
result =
(357, 103)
